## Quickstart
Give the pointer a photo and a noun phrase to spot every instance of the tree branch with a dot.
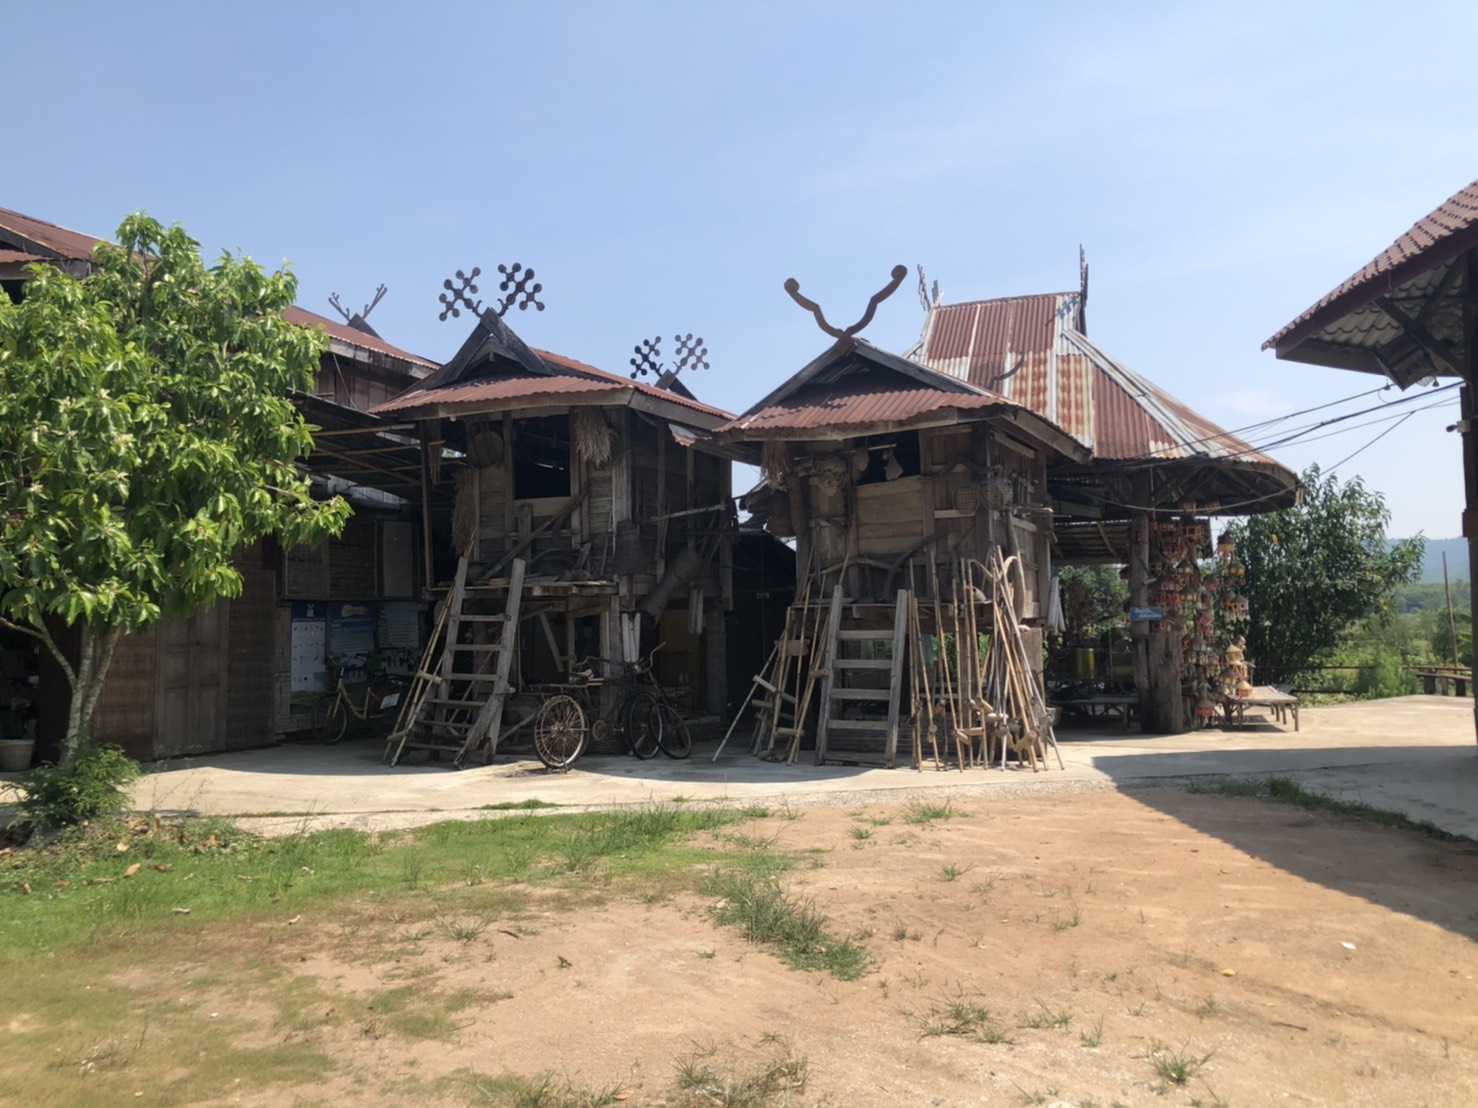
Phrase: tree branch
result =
(45, 637)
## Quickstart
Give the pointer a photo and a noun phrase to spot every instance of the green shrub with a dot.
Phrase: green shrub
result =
(1386, 675)
(93, 785)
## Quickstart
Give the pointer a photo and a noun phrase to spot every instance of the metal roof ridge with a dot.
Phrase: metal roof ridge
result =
(1148, 395)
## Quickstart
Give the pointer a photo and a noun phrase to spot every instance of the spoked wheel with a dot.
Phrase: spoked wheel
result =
(330, 719)
(639, 724)
(672, 732)
(560, 732)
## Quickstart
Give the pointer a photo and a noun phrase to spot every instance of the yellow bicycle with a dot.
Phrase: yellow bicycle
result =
(331, 712)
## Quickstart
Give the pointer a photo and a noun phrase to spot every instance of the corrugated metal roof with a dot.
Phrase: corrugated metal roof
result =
(61, 242)
(1432, 242)
(495, 367)
(1029, 349)
(352, 336)
(857, 404)
(854, 384)
(18, 257)
(521, 387)
(76, 246)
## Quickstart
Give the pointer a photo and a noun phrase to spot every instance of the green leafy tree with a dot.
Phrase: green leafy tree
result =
(148, 434)
(1317, 569)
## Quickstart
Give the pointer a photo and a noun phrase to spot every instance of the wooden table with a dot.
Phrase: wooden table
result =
(1263, 696)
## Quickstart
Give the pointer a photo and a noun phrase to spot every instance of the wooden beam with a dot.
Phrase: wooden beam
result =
(1454, 359)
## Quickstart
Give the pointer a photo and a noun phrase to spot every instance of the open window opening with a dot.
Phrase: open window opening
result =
(541, 458)
(890, 457)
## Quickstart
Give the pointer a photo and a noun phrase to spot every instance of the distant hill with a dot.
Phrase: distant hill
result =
(1457, 560)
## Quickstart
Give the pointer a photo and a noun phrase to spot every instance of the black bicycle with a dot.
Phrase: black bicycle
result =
(570, 715)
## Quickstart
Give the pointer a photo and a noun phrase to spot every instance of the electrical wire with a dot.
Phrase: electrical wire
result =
(1372, 442)
(1300, 433)
(1394, 420)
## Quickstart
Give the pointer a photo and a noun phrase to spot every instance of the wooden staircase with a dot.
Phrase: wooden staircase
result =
(862, 682)
(458, 706)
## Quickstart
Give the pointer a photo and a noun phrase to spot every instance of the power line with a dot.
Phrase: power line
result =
(1373, 441)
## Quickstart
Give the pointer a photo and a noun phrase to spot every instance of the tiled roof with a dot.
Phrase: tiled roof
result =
(1433, 241)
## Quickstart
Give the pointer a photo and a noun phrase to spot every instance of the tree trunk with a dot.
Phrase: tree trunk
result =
(95, 655)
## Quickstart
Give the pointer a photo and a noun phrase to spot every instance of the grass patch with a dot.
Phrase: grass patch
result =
(530, 805)
(1175, 1067)
(962, 1016)
(1287, 790)
(774, 1082)
(921, 812)
(511, 1090)
(764, 913)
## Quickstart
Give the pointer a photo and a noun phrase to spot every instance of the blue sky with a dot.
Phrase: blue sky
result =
(665, 166)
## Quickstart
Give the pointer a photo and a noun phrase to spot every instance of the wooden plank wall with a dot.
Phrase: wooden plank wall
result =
(891, 515)
(125, 709)
(250, 698)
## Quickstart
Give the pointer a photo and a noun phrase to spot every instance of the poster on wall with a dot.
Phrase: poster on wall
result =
(309, 643)
(351, 638)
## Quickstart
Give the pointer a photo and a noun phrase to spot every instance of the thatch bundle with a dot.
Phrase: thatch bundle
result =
(592, 437)
(775, 465)
(464, 508)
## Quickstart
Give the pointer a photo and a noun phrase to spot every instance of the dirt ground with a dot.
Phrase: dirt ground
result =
(1118, 941)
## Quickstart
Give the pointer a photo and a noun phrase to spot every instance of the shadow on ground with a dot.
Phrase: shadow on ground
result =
(1418, 875)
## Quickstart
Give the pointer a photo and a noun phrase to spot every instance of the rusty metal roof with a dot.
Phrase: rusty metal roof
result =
(342, 332)
(522, 389)
(61, 243)
(1031, 350)
(56, 241)
(1420, 276)
(854, 387)
(487, 392)
(857, 404)
(495, 369)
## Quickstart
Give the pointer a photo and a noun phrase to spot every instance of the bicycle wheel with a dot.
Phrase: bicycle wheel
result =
(330, 719)
(559, 732)
(672, 732)
(639, 725)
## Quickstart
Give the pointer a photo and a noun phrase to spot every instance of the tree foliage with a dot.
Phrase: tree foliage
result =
(148, 434)
(1316, 569)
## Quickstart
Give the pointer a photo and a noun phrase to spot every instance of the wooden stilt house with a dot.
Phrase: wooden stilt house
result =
(239, 672)
(919, 509)
(587, 524)
(1157, 468)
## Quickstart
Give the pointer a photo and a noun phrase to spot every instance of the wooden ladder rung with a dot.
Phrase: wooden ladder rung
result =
(863, 663)
(858, 724)
(861, 694)
(852, 635)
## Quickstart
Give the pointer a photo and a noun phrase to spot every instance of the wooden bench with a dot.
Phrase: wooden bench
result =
(1101, 704)
(1263, 696)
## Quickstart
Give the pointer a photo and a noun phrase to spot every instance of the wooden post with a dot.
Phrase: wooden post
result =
(1470, 511)
(426, 533)
(1157, 654)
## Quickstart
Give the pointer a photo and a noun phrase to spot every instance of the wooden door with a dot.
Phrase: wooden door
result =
(192, 683)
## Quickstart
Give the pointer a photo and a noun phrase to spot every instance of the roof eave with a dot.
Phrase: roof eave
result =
(1381, 284)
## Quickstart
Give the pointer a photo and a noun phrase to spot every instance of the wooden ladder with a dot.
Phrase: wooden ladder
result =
(459, 710)
(848, 679)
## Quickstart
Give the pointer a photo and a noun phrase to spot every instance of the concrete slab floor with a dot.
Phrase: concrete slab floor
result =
(1416, 755)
